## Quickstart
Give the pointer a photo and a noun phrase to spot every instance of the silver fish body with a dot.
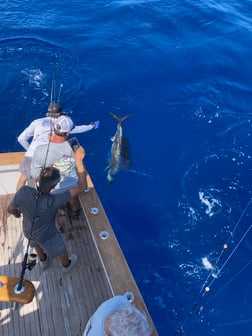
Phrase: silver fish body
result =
(115, 152)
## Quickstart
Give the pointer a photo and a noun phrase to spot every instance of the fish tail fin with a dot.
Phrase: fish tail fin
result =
(119, 119)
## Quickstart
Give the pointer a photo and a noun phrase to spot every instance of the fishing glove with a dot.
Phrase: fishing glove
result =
(96, 124)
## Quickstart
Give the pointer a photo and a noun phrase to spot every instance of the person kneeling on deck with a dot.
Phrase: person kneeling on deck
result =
(39, 208)
(118, 317)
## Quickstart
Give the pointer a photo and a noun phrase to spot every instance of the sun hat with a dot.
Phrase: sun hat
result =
(63, 124)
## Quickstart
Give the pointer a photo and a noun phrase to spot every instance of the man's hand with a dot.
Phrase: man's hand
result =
(81, 171)
(95, 124)
(79, 155)
(80, 167)
(14, 211)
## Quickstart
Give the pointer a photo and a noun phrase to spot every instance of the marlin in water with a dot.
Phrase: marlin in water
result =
(119, 149)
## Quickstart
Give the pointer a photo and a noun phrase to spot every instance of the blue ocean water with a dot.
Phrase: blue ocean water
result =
(183, 70)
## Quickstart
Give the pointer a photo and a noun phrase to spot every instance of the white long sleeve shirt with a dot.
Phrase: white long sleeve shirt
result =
(39, 130)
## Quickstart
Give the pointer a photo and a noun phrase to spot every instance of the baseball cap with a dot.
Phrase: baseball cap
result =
(53, 110)
(63, 124)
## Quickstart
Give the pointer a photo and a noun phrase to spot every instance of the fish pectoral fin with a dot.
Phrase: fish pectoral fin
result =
(112, 138)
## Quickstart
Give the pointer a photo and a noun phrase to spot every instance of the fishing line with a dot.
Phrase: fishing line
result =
(53, 86)
(20, 287)
(239, 220)
(200, 309)
(52, 98)
(230, 280)
(59, 94)
(225, 246)
(234, 323)
(206, 288)
(230, 255)
(24, 262)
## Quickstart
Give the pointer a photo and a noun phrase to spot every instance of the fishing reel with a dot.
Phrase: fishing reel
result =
(18, 290)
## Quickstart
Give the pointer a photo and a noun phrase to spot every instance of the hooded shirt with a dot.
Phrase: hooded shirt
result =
(95, 325)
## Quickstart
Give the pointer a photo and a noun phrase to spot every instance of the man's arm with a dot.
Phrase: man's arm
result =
(85, 128)
(82, 129)
(13, 207)
(23, 140)
(26, 135)
(79, 156)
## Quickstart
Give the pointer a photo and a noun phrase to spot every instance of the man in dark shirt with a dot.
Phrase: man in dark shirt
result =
(39, 209)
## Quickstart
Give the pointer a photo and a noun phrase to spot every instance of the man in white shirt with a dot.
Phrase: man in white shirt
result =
(58, 154)
(39, 131)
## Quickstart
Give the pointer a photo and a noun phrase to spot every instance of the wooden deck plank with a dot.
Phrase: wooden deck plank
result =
(63, 303)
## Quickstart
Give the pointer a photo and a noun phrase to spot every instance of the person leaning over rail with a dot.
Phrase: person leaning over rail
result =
(59, 154)
(38, 130)
(39, 209)
(118, 317)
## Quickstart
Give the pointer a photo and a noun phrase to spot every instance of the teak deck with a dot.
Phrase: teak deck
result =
(63, 303)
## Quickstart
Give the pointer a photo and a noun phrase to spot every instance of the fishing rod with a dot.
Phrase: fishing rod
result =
(19, 290)
(52, 95)
(59, 94)
(23, 290)
(32, 262)
(53, 86)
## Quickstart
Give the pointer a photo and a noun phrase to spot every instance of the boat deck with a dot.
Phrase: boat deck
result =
(63, 303)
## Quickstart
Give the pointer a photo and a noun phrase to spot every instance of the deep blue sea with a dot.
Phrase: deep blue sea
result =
(183, 70)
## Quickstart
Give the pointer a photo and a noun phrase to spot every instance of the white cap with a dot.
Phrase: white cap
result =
(63, 124)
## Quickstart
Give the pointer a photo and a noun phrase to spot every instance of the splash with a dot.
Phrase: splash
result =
(209, 203)
(207, 264)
